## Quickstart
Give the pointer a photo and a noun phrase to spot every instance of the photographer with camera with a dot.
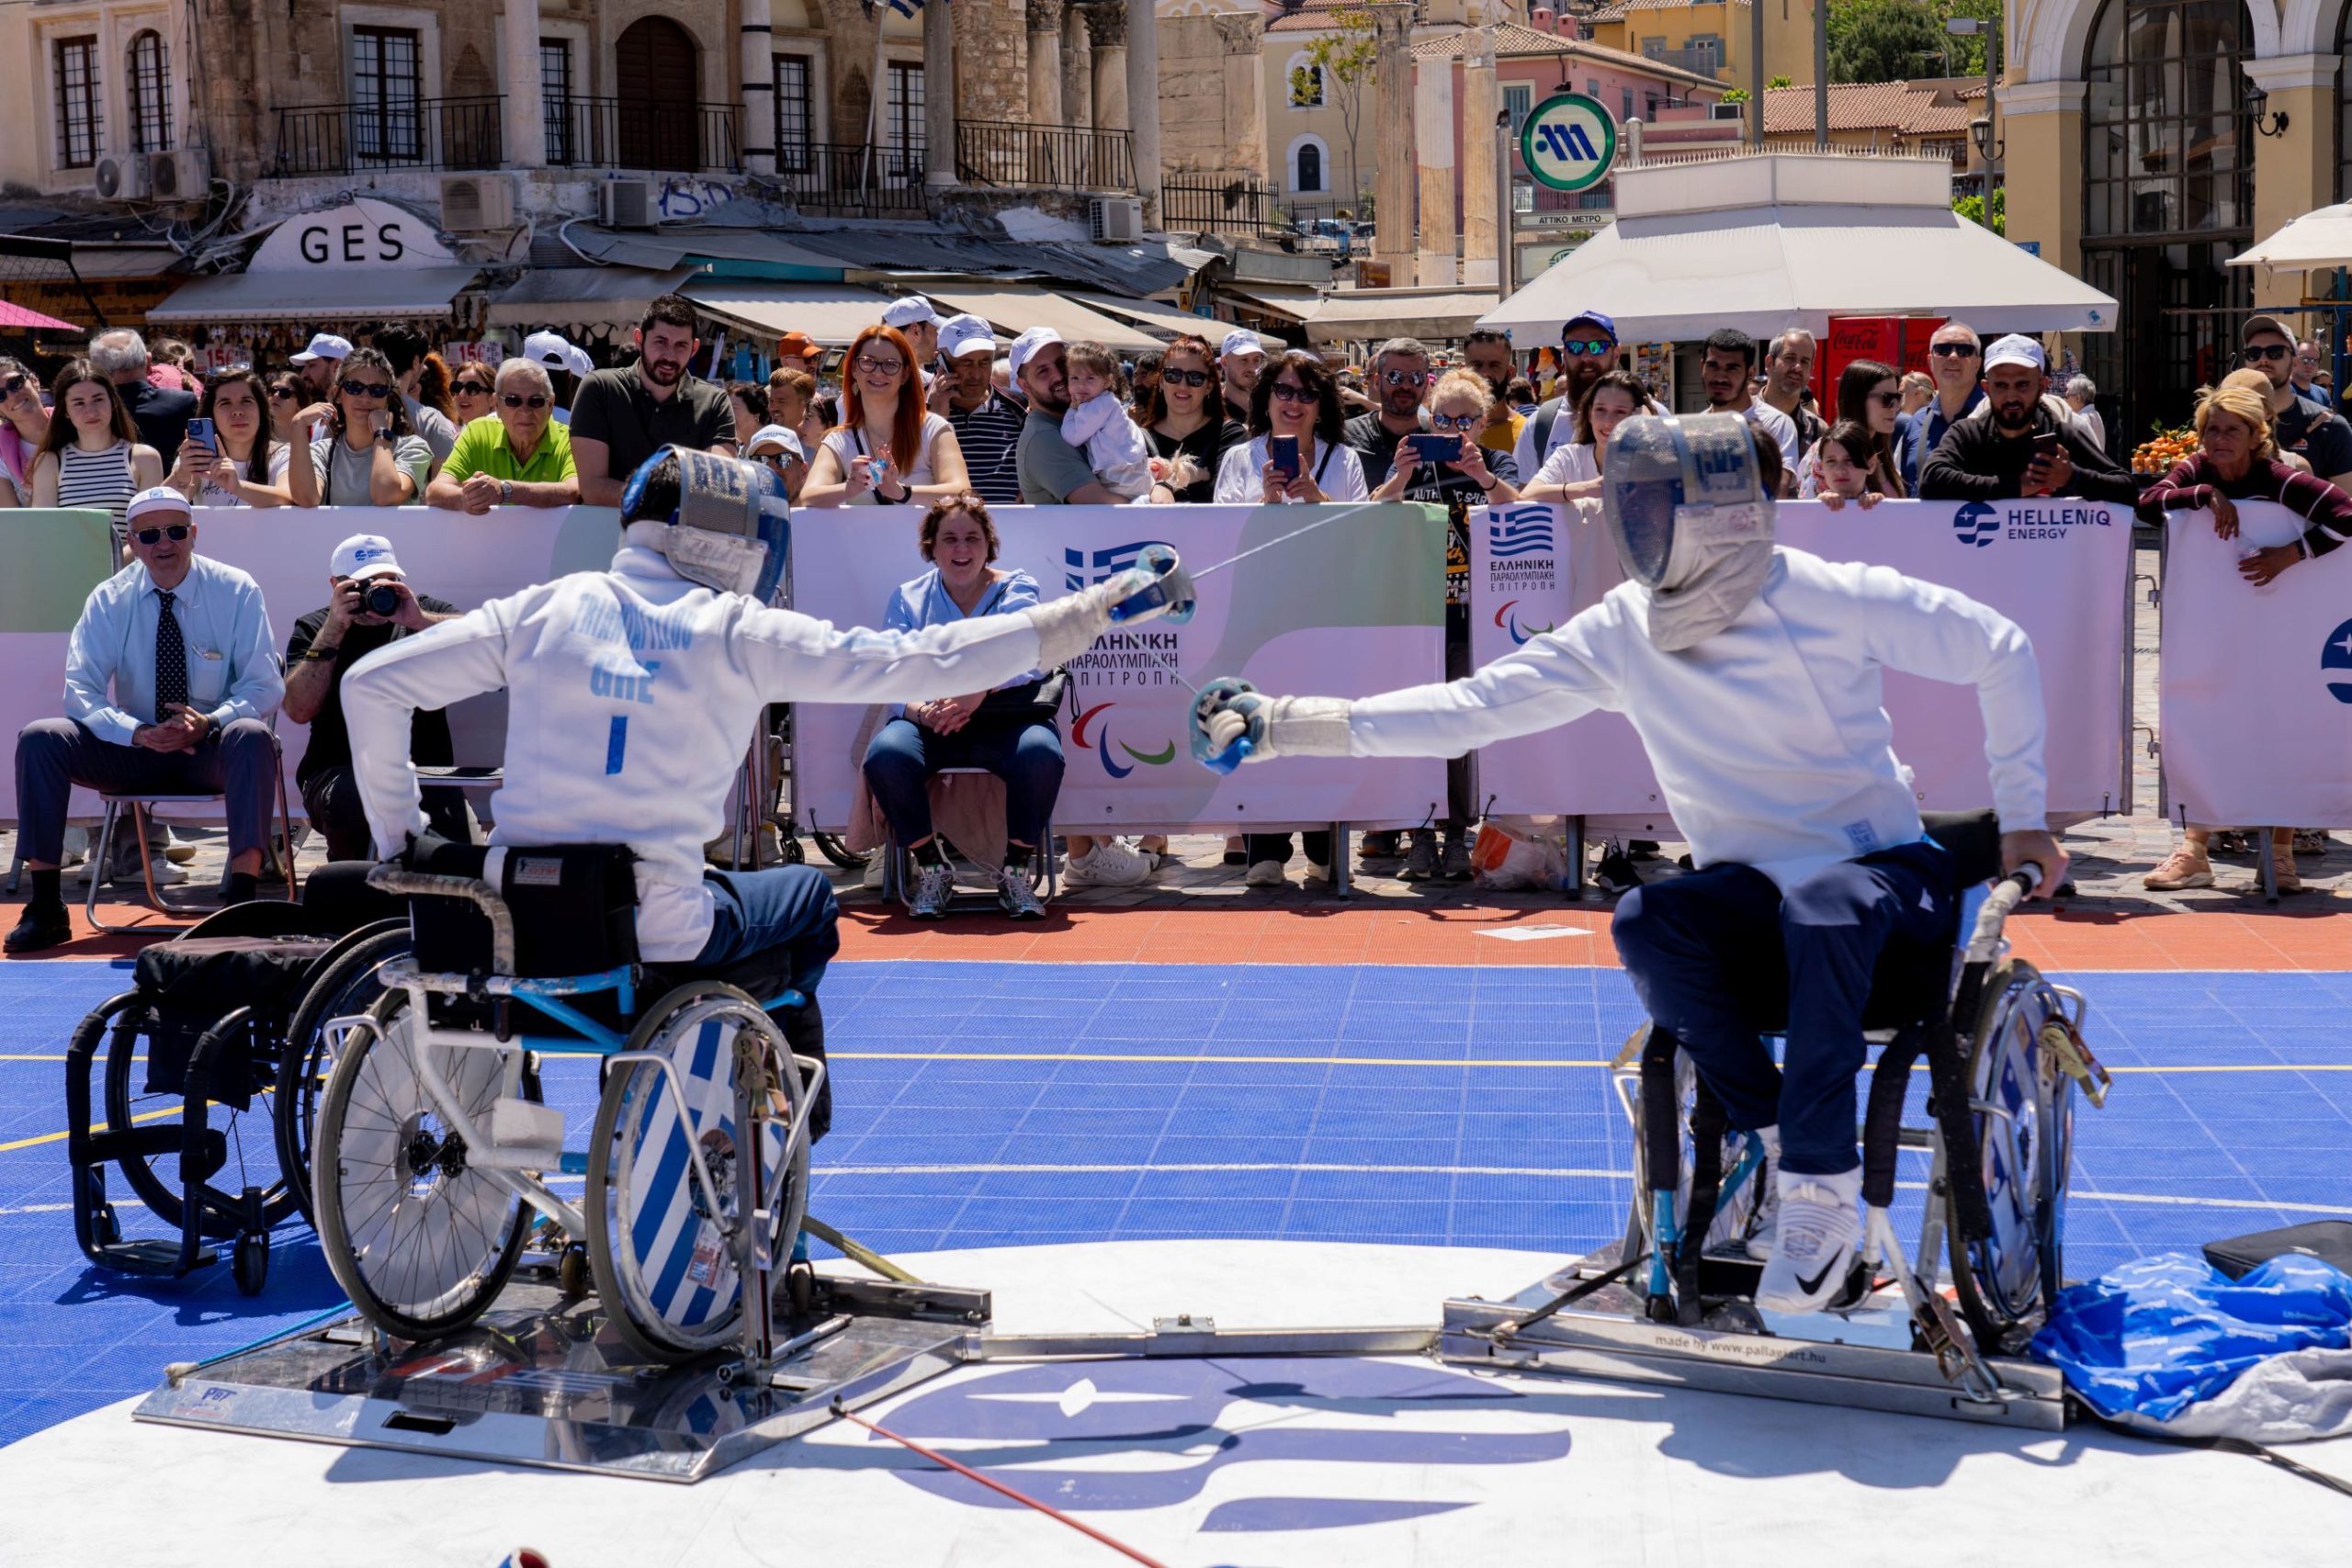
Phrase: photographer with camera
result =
(372, 606)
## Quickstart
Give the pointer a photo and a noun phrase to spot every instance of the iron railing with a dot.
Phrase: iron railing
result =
(851, 180)
(1044, 157)
(419, 133)
(1242, 208)
(619, 133)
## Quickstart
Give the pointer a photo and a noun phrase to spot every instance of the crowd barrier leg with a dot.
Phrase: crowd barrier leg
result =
(1575, 857)
(1343, 880)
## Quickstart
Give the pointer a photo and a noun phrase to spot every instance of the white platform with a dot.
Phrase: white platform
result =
(1366, 1464)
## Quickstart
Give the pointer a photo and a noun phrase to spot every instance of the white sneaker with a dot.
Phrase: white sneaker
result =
(934, 885)
(872, 875)
(1265, 874)
(1764, 1228)
(126, 872)
(1019, 899)
(1818, 1232)
(1112, 863)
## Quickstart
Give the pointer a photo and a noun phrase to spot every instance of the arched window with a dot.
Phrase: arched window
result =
(149, 79)
(1306, 83)
(657, 78)
(1310, 165)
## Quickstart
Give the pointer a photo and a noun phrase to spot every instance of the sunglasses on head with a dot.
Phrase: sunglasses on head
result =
(1290, 393)
(2267, 351)
(1954, 350)
(1587, 345)
(178, 532)
(366, 389)
(517, 400)
(1185, 378)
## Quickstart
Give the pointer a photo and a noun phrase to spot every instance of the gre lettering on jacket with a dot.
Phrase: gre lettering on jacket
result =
(623, 679)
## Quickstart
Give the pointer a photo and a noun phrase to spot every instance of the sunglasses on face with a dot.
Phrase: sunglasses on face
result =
(517, 400)
(1404, 377)
(1587, 345)
(470, 390)
(1290, 393)
(281, 394)
(869, 365)
(1455, 421)
(178, 531)
(12, 386)
(1954, 350)
(366, 389)
(2268, 351)
(1185, 378)
(1887, 400)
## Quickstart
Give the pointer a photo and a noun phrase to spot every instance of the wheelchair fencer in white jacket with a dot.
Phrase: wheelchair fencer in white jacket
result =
(1752, 673)
(633, 693)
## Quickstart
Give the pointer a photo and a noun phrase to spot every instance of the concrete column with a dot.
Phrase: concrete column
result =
(1106, 30)
(525, 119)
(938, 96)
(1045, 62)
(1433, 143)
(1143, 102)
(1077, 69)
(1480, 103)
(759, 88)
(1394, 181)
(2294, 171)
(1243, 36)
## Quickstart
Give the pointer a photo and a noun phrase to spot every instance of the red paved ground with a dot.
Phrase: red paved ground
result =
(2312, 936)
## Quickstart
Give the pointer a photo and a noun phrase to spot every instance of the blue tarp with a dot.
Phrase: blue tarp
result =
(2156, 1336)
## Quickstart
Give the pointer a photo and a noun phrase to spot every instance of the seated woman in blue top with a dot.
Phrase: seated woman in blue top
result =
(1009, 732)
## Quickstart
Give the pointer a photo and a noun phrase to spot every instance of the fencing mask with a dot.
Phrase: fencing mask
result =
(728, 528)
(1692, 523)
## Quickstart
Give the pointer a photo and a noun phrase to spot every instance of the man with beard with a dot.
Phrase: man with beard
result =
(2298, 423)
(1725, 370)
(1954, 364)
(2020, 449)
(1488, 354)
(623, 416)
(1240, 359)
(1587, 352)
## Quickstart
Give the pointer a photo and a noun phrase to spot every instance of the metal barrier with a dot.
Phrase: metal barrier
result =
(422, 133)
(852, 179)
(627, 133)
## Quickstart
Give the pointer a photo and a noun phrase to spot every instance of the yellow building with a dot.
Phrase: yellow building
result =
(1711, 36)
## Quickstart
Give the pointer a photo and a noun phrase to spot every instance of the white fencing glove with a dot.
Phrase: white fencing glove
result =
(1234, 723)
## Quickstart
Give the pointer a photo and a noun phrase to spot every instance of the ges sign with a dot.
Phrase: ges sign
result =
(362, 232)
(1569, 142)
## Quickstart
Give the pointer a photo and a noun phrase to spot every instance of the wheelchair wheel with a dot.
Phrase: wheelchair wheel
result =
(834, 848)
(1734, 1210)
(421, 1241)
(665, 1270)
(346, 983)
(249, 1148)
(2023, 1118)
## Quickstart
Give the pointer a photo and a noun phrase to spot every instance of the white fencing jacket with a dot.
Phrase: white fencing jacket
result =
(631, 698)
(1770, 738)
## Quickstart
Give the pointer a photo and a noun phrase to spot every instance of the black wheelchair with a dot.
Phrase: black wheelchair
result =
(211, 1061)
(435, 1153)
(2005, 1055)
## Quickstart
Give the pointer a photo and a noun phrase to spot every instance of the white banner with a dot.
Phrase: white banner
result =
(1345, 610)
(2057, 568)
(2255, 684)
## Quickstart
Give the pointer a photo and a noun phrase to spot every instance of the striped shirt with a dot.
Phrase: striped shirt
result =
(990, 436)
(2194, 482)
(101, 481)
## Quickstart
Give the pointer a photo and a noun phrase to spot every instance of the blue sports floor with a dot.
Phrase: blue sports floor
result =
(1007, 1104)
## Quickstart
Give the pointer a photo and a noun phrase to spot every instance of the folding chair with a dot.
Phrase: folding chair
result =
(140, 802)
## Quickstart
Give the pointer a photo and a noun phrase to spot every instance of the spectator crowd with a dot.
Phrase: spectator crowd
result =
(175, 674)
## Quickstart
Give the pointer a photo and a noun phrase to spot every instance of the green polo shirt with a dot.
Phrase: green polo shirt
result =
(481, 448)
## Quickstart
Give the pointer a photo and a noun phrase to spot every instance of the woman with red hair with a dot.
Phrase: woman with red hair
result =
(888, 450)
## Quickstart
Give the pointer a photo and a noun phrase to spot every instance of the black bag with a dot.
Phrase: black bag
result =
(2330, 1241)
(574, 908)
(1028, 702)
(191, 984)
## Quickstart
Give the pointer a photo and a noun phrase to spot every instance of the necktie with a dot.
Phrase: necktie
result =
(170, 659)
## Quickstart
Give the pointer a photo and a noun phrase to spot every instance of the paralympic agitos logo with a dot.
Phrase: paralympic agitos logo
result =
(1102, 743)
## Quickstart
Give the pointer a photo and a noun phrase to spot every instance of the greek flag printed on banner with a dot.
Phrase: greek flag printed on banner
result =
(678, 1248)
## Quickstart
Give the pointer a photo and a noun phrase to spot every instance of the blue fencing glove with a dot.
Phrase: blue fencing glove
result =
(1167, 594)
(1234, 723)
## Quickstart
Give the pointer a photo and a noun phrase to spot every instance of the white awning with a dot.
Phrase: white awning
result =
(831, 313)
(1152, 315)
(2322, 238)
(1354, 315)
(1293, 302)
(340, 294)
(572, 295)
(1012, 309)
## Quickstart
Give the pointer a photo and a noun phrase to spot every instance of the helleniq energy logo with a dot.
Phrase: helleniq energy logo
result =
(1975, 523)
(2336, 661)
(1979, 522)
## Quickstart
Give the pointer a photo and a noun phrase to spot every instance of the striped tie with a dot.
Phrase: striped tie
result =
(170, 659)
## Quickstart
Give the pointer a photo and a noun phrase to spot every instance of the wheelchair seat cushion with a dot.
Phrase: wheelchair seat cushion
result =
(209, 976)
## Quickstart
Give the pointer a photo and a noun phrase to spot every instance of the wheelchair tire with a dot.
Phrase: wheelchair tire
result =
(1732, 1213)
(348, 980)
(420, 1249)
(834, 848)
(668, 1281)
(2006, 1281)
(156, 1178)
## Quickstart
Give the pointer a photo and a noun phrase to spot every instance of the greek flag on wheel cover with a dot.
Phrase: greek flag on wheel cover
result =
(668, 1236)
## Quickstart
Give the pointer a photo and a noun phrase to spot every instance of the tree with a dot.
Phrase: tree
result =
(1896, 40)
(1778, 82)
(1736, 96)
(1347, 59)
(1972, 208)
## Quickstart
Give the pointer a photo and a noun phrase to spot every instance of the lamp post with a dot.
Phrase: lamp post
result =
(1981, 130)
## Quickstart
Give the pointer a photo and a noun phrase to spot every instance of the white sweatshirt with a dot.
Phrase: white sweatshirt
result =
(1113, 445)
(1770, 738)
(631, 699)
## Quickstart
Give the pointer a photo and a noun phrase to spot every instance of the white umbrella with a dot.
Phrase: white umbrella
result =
(2315, 240)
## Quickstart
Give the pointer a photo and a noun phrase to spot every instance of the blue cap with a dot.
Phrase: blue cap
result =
(1595, 317)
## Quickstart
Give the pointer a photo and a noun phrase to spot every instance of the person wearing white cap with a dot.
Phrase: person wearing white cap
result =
(1052, 472)
(556, 355)
(914, 316)
(369, 605)
(2017, 446)
(1240, 359)
(779, 451)
(170, 677)
(320, 363)
(988, 423)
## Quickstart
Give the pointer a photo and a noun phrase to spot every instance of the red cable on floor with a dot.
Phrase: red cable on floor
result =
(942, 1460)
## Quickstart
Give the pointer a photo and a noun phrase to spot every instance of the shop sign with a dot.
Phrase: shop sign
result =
(362, 232)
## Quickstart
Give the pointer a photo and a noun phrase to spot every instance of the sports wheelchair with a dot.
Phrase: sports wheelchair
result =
(434, 1150)
(226, 1027)
(2005, 1055)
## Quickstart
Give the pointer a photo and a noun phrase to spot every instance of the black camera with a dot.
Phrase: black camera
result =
(382, 599)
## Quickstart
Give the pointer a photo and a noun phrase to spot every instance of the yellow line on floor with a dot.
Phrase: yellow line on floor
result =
(95, 1127)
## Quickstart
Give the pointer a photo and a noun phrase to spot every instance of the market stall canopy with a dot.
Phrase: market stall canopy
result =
(1764, 243)
(17, 319)
(1293, 302)
(1013, 308)
(1356, 315)
(831, 313)
(2318, 239)
(610, 296)
(350, 294)
(1150, 314)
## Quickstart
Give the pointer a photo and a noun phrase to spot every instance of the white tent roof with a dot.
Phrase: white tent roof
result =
(2318, 239)
(1757, 243)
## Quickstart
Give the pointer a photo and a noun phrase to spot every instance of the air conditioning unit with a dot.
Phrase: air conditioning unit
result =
(183, 176)
(1728, 111)
(626, 204)
(1115, 218)
(122, 179)
(477, 204)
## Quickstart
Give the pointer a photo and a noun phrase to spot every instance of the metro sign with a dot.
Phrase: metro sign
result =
(1570, 142)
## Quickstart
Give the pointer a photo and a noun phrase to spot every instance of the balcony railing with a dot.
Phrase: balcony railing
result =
(1240, 208)
(421, 133)
(851, 180)
(1044, 157)
(618, 133)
